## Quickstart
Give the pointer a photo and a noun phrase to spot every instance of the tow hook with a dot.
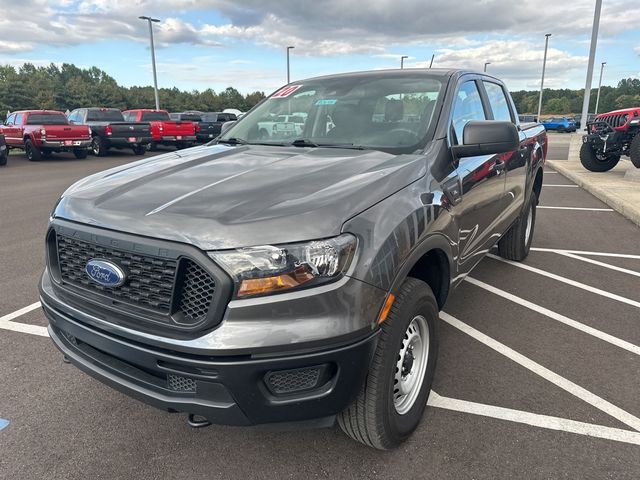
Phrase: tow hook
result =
(197, 421)
(65, 359)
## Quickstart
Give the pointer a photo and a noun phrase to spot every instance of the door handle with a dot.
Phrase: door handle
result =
(499, 166)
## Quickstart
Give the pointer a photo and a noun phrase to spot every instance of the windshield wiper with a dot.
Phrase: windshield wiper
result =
(342, 145)
(303, 142)
(233, 141)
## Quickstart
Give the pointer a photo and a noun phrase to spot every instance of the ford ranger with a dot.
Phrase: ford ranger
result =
(164, 131)
(109, 130)
(43, 132)
(296, 279)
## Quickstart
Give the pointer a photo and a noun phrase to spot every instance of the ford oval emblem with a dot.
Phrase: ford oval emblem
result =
(105, 273)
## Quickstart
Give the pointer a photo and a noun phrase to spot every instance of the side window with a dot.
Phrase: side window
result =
(468, 106)
(11, 119)
(498, 102)
(74, 117)
(18, 120)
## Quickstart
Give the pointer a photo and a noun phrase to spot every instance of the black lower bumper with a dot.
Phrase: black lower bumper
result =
(124, 142)
(228, 390)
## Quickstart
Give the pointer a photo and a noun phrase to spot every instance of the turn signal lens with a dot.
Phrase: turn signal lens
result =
(387, 308)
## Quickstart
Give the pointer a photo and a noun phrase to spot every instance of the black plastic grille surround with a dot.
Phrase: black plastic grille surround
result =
(290, 381)
(178, 290)
(178, 383)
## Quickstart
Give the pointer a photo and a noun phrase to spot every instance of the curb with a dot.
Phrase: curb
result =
(618, 202)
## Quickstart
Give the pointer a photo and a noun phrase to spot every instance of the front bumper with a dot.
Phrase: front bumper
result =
(232, 389)
(63, 144)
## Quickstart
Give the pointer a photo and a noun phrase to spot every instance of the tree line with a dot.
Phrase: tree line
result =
(562, 101)
(67, 87)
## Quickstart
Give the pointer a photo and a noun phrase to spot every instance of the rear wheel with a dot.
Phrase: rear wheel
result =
(80, 153)
(98, 146)
(4, 155)
(516, 243)
(392, 400)
(33, 153)
(152, 147)
(634, 150)
(596, 162)
(139, 149)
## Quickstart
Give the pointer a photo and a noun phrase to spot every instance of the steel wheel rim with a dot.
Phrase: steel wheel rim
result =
(95, 146)
(527, 232)
(411, 365)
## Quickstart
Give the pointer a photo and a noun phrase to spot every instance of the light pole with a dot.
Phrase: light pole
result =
(485, 66)
(599, 86)
(153, 58)
(402, 61)
(544, 66)
(288, 74)
(592, 57)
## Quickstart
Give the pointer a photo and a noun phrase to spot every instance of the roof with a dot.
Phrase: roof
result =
(428, 72)
(41, 112)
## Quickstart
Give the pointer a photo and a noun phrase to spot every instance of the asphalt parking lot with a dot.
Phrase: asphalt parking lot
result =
(538, 371)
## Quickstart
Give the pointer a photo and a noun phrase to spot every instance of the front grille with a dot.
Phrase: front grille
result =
(616, 120)
(172, 290)
(290, 381)
(180, 384)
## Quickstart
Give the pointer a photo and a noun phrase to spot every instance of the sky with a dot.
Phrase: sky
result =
(204, 44)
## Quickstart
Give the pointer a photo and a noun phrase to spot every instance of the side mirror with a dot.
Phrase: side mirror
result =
(226, 126)
(487, 137)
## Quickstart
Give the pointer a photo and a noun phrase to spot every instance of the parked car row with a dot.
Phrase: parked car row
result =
(41, 133)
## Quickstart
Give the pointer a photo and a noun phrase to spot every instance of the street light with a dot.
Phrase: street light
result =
(153, 58)
(592, 57)
(485, 66)
(288, 75)
(599, 85)
(402, 61)
(544, 66)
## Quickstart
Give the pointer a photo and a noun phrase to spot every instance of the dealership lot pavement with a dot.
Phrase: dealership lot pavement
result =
(538, 373)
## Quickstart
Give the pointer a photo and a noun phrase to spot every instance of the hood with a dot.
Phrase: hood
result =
(218, 197)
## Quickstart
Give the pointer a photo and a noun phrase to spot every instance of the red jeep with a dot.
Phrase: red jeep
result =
(43, 132)
(164, 131)
(609, 136)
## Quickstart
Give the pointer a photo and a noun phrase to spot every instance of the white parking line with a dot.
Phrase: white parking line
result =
(568, 281)
(584, 252)
(534, 419)
(557, 316)
(567, 385)
(601, 264)
(544, 207)
(7, 324)
(561, 186)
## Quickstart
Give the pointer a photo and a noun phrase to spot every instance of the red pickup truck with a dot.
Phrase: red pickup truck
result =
(164, 131)
(43, 132)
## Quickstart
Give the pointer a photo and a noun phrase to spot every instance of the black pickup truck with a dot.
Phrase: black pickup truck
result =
(109, 130)
(296, 278)
(208, 124)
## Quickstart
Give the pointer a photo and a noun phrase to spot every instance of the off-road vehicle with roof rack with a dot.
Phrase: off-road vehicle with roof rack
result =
(609, 136)
(296, 278)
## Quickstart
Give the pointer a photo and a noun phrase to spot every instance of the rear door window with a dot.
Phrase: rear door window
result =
(498, 101)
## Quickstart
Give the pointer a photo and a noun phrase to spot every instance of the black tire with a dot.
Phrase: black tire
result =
(33, 153)
(99, 147)
(4, 155)
(516, 243)
(80, 153)
(596, 163)
(373, 418)
(152, 147)
(634, 150)
(139, 149)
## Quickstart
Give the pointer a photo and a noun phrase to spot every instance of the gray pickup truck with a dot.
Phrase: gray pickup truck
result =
(296, 279)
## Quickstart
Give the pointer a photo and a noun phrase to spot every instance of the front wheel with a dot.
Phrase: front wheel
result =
(390, 404)
(516, 243)
(597, 162)
(634, 150)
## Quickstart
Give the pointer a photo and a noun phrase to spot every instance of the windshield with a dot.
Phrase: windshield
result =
(155, 117)
(104, 116)
(386, 112)
(47, 119)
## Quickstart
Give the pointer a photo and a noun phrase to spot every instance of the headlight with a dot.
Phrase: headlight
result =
(270, 269)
